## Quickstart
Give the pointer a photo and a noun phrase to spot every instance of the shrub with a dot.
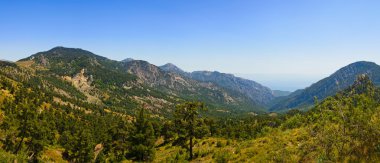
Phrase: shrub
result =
(220, 144)
(223, 156)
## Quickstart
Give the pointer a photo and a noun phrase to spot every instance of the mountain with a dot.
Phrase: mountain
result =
(154, 76)
(336, 82)
(127, 60)
(4, 63)
(169, 67)
(172, 80)
(74, 74)
(254, 91)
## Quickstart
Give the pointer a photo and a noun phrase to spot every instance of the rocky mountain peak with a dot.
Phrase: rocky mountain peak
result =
(169, 67)
(127, 60)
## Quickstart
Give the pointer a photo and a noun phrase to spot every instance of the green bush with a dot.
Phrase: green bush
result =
(220, 144)
(293, 122)
(8, 157)
(222, 156)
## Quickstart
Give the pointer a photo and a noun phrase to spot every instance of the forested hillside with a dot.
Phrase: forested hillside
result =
(122, 86)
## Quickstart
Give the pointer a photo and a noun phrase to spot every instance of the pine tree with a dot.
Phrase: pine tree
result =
(142, 139)
(188, 124)
(79, 147)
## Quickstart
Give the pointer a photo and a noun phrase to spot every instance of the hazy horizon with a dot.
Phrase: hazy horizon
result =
(284, 82)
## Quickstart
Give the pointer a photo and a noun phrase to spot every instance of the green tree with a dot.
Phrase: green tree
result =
(142, 139)
(168, 131)
(188, 123)
(79, 147)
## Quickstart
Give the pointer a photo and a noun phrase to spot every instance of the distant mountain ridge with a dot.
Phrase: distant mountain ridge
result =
(328, 86)
(255, 91)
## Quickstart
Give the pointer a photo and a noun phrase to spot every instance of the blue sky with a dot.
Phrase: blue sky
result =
(283, 44)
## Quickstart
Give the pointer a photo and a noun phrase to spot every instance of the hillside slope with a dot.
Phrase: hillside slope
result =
(78, 74)
(256, 92)
(341, 128)
(181, 85)
(339, 80)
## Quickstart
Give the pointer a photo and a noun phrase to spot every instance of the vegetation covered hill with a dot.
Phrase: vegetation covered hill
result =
(342, 128)
(336, 82)
(35, 126)
(122, 86)
(225, 100)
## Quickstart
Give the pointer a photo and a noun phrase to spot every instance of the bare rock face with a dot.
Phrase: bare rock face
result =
(146, 72)
(83, 84)
(44, 61)
(154, 76)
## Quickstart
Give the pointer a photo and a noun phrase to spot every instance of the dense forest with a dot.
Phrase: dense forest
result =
(35, 127)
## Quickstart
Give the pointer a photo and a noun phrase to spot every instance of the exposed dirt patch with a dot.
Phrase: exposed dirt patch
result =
(83, 84)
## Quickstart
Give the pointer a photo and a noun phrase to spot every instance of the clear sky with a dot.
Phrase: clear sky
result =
(276, 42)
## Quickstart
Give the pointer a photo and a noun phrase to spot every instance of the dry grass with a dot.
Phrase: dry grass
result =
(28, 63)
(53, 155)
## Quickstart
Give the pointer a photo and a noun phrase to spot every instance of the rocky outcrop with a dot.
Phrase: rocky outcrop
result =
(153, 76)
(83, 84)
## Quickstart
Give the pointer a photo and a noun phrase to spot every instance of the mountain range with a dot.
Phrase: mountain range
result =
(73, 74)
(253, 90)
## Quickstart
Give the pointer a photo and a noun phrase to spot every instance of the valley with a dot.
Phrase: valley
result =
(71, 105)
